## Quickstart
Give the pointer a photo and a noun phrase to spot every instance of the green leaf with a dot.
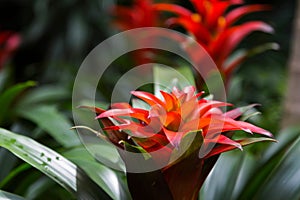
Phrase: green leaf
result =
(133, 148)
(41, 186)
(14, 173)
(5, 76)
(52, 164)
(44, 94)
(8, 96)
(57, 125)
(109, 180)
(9, 196)
(41, 157)
(273, 174)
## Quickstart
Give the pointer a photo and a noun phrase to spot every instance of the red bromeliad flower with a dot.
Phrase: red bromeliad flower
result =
(167, 123)
(214, 27)
(8, 44)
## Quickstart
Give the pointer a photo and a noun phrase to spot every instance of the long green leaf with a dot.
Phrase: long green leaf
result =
(7, 163)
(14, 173)
(106, 178)
(274, 174)
(52, 164)
(49, 119)
(44, 94)
(9, 196)
(279, 171)
(8, 96)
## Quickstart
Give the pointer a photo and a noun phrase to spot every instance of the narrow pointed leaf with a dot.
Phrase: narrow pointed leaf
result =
(45, 93)
(179, 10)
(9, 95)
(9, 196)
(52, 164)
(148, 98)
(49, 119)
(237, 13)
(229, 67)
(129, 112)
(105, 177)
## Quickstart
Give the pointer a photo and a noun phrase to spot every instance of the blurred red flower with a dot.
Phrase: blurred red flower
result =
(9, 42)
(214, 25)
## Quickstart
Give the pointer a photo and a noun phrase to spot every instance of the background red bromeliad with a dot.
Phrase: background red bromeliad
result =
(213, 25)
(167, 123)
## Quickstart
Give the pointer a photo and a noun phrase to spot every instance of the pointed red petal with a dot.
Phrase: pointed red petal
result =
(136, 130)
(153, 143)
(197, 29)
(222, 124)
(205, 107)
(254, 129)
(173, 120)
(244, 142)
(131, 112)
(171, 101)
(173, 137)
(120, 106)
(237, 112)
(148, 98)
(176, 9)
(229, 39)
(222, 139)
(237, 13)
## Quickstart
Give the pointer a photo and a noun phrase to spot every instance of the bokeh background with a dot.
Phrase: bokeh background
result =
(56, 36)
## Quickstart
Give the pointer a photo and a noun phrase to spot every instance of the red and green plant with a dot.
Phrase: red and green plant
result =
(168, 122)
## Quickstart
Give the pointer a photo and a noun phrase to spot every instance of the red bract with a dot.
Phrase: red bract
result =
(214, 27)
(171, 120)
(8, 43)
